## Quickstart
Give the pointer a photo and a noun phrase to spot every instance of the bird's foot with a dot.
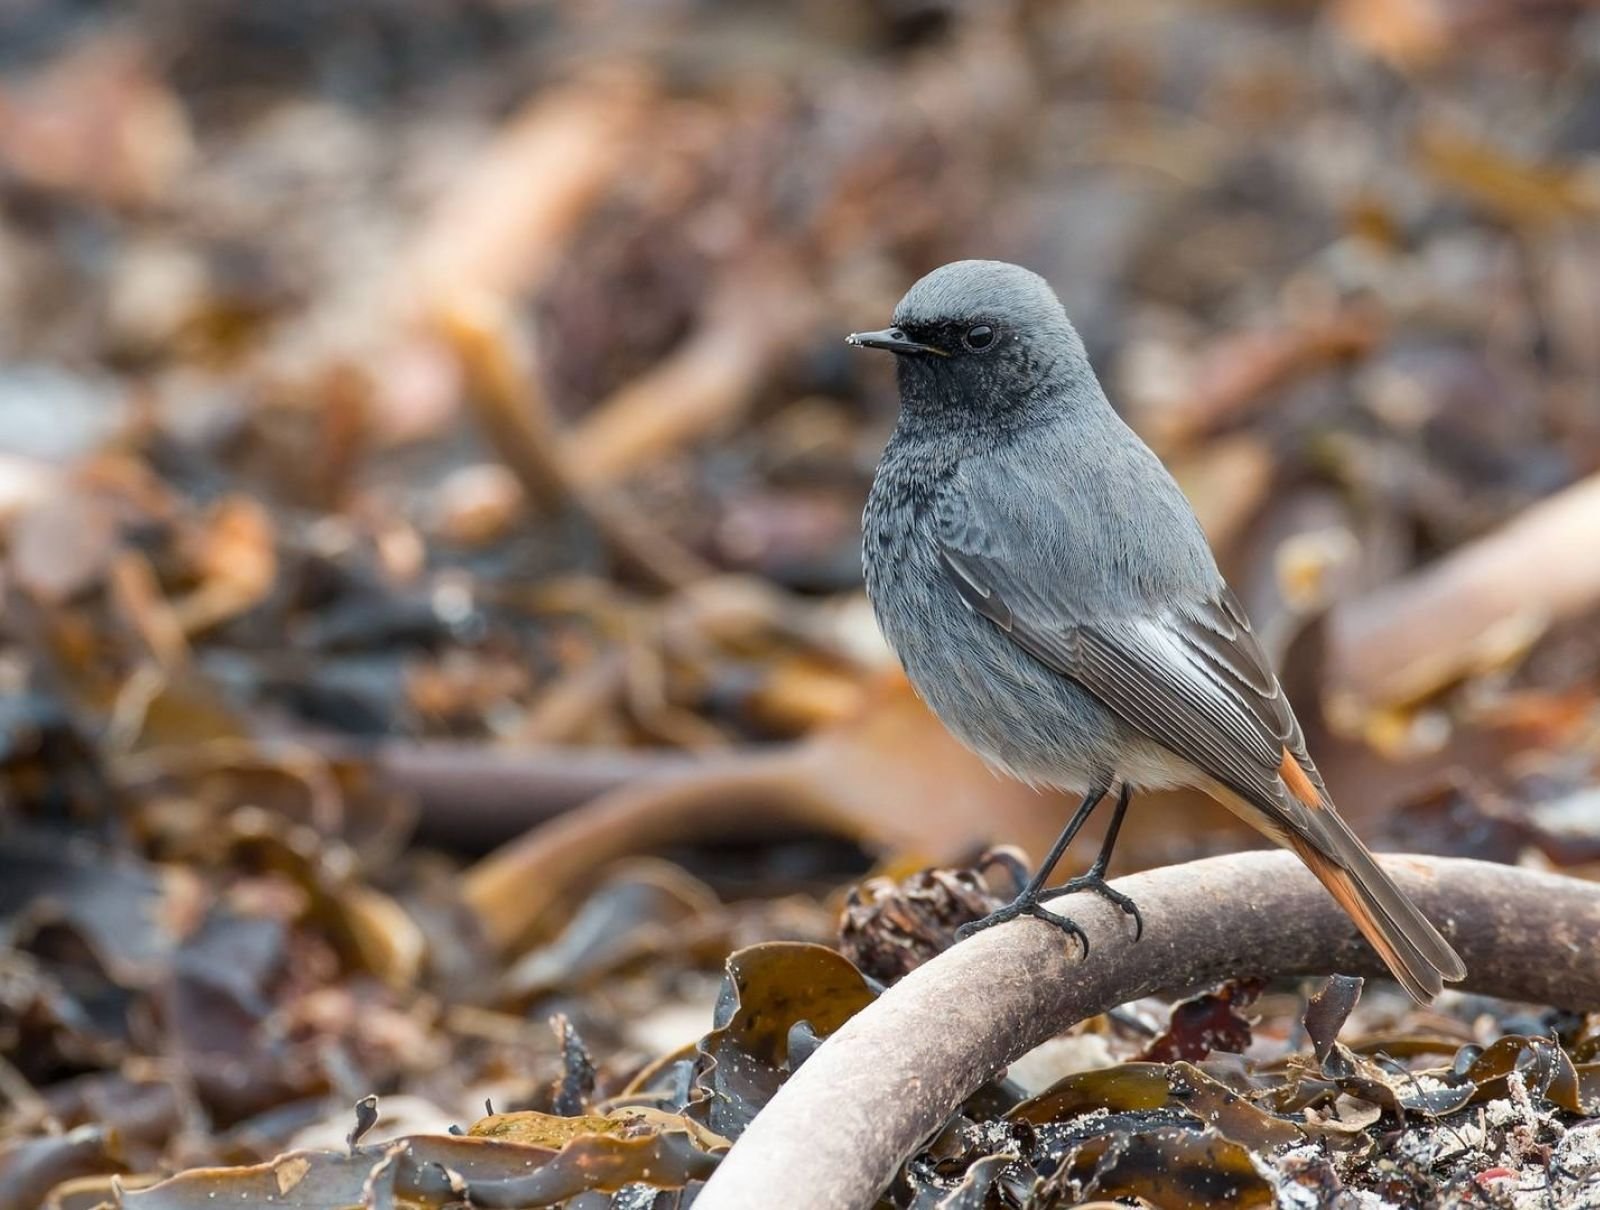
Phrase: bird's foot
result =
(1096, 883)
(1026, 905)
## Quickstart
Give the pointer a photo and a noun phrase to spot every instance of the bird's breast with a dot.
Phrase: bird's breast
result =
(991, 695)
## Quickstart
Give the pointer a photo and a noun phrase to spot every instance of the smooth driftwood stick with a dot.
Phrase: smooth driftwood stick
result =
(835, 1134)
(1474, 605)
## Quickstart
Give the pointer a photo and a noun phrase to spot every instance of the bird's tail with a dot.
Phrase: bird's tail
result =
(1420, 959)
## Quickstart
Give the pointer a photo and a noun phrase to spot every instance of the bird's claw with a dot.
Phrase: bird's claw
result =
(1026, 905)
(1097, 884)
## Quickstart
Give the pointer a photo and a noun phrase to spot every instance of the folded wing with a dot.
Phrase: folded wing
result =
(1190, 675)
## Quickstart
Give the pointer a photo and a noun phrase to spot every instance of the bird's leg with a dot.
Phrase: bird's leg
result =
(1027, 902)
(1095, 879)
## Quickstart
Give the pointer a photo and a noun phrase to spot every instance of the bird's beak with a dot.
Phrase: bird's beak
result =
(892, 339)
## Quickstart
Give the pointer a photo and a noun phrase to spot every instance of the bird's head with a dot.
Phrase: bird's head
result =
(982, 338)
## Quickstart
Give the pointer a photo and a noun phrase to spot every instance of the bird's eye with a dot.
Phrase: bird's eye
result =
(979, 336)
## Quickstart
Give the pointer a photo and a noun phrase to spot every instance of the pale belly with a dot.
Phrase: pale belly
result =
(1023, 718)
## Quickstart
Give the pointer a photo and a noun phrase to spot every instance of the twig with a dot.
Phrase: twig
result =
(701, 388)
(474, 795)
(1479, 604)
(1242, 372)
(514, 413)
(843, 1124)
(574, 699)
(510, 212)
(511, 890)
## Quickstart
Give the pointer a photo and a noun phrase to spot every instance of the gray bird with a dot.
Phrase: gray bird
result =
(1053, 599)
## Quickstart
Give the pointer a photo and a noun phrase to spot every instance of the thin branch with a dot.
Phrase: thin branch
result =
(512, 889)
(515, 414)
(474, 795)
(1241, 373)
(836, 1133)
(703, 387)
(510, 213)
(1478, 605)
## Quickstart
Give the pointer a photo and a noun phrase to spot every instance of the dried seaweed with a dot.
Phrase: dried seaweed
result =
(773, 997)
(420, 425)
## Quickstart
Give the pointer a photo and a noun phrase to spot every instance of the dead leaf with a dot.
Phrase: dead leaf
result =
(1207, 1022)
(768, 992)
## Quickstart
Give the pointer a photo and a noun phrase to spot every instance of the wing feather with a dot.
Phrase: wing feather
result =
(1191, 677)
(1183, 669)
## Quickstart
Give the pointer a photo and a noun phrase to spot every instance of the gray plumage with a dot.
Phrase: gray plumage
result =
(1055, 602)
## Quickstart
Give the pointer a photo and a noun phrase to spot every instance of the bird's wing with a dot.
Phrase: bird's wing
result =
(1192, 677)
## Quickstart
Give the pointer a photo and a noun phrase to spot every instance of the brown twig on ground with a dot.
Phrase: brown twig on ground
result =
(514, 413)
(474, 795)
(573, 699)
(510, 212)
(835, 1134)
(1477, 606)
(699, 389)
(512, 890)
(1240, 373)
(849, 780)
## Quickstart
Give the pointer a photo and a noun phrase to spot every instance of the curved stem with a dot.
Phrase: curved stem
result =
(838, 1130)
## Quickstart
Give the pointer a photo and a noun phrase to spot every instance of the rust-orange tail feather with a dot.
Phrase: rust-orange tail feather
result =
(1420, 959)
(1405, 939)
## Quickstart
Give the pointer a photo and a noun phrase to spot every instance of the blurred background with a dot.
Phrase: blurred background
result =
(431, 471)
